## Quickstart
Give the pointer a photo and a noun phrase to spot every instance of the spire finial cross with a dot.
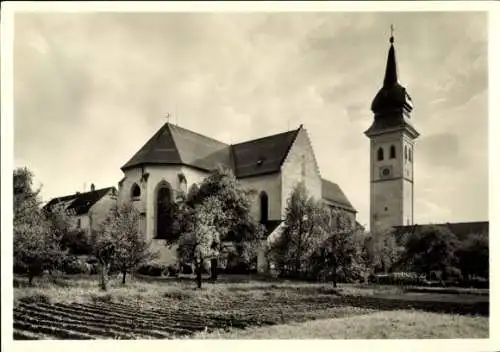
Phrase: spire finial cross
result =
(392, 33)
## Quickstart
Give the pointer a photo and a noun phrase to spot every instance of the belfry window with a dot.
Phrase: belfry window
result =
(406, 152)
(393, 152)
(409, 155)
(380, 154)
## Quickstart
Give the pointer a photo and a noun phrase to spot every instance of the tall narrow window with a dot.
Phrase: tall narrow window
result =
(409, 155)
(406, 152)
(136, 191)
(393, 152)
(264, 207)
(78, 223)
(163, 207)
(380, 154)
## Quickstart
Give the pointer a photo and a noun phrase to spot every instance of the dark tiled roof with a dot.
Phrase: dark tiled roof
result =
(200, 151)
(263, 155)
(80, 203)
(331, 192)
(160, 149)
(175, 145)
(461, 229)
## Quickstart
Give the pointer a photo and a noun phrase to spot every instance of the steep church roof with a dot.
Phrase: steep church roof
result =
(174, 145)
(80, 203)
(262, 156)
(331, 192)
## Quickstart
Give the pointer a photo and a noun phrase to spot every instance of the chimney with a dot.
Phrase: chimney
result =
(92, 187)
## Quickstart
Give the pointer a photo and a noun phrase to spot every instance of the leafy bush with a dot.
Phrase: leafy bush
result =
(402, 278)
(74, 265)
(186, 269)
(172, 271)
(153, 269)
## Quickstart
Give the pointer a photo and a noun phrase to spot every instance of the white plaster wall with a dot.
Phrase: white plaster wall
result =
(291, 170)
(271, 184)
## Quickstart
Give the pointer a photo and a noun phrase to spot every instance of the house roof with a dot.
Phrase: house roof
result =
(80, 203)
(331, 192)
(461, 229)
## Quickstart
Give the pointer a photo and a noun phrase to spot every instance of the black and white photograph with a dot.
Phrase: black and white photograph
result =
(247, 175)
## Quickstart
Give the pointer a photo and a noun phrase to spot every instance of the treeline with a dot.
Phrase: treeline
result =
(209, 223)
(212, 224)
(44, 239)
(318, 243)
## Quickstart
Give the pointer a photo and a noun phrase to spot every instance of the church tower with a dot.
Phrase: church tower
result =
(392, 153)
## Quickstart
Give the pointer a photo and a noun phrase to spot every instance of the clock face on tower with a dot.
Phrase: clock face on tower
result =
(385, 171)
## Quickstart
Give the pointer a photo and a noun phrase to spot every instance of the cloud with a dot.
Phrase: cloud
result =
(91, 88)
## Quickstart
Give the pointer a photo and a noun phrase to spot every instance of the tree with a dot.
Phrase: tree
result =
(236, 226)
(337, 252)
(121, 243)
(431, 248)
(473, 256)
(36, 244)
(200, 239)
(382, 250)
(301, 233)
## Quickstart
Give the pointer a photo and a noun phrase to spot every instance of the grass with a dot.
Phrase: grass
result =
(360, 311)
(379, 325)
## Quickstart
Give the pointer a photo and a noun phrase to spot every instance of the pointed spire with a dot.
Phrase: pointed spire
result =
(391, 75)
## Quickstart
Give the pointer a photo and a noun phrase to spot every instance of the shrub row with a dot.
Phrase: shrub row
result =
(157, 269)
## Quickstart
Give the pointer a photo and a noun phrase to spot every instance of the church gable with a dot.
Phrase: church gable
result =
(300, 165)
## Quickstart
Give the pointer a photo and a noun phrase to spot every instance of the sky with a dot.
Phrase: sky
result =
(91, 88)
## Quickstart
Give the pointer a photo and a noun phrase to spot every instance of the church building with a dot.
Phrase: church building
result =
(176, 158)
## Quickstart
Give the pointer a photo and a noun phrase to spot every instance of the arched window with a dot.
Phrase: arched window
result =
(409, 155)
(406, 152)
(393, 152)
(136, 191)
(163, 207)
(264, 207)
(182, 183)
(380, 154)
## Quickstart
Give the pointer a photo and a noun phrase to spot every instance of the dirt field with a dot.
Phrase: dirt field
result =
(74, 308)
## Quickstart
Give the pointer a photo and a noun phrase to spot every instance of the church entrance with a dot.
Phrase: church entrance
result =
(163, 211)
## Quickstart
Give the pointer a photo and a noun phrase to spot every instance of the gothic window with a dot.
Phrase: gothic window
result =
(393, 152)
(136, 191)
(409, 155)
(264, 207)
(163, 207)
(380, 154)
